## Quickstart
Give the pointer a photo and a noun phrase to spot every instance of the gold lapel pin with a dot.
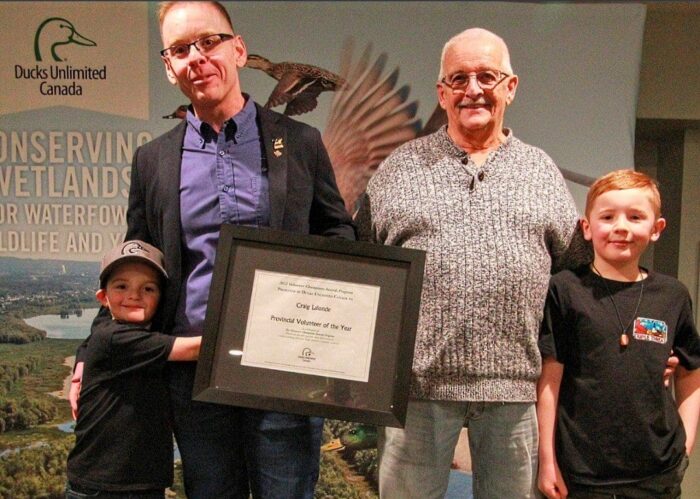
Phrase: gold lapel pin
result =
(277, 145)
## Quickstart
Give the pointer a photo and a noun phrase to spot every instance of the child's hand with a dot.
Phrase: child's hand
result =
(550, 481)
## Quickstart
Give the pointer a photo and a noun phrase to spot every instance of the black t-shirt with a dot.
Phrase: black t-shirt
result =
(616, 421)
(123, 433)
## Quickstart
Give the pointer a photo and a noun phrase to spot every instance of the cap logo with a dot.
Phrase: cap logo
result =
(133, 248)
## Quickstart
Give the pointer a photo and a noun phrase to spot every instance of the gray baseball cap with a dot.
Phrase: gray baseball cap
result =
(131, 251)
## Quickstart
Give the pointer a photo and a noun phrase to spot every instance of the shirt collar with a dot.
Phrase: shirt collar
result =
(447, 142)
(235, 127)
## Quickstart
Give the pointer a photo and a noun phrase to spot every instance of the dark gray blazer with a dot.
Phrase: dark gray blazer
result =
(304, 197)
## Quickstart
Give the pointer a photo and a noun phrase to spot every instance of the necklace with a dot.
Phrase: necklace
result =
(624, 337)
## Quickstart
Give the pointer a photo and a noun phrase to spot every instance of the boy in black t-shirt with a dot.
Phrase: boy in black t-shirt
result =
(608, 425)
(124, 445)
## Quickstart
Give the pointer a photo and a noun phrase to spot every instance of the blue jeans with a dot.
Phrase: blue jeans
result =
(229, 452)
(414, 462)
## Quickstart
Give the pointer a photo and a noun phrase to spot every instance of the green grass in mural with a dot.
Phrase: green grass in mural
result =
(32, 461)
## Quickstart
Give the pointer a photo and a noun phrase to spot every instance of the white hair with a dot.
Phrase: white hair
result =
(469, 34)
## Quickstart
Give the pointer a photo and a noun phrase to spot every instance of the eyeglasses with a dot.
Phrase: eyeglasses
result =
(487, 80)
(204, 45)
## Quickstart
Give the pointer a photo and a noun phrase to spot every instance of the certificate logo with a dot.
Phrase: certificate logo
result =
(307, 355)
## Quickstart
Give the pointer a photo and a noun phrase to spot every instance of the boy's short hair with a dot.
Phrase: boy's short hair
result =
(624, 179)
(131, 251)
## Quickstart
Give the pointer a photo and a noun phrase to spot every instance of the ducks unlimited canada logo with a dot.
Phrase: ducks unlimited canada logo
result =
(56, 39)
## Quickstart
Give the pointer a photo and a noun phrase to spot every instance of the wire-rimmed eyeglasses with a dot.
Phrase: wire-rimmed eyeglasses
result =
(487, 80)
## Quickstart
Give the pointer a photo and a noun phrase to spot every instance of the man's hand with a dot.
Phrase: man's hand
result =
(671, 365)
(74, 392)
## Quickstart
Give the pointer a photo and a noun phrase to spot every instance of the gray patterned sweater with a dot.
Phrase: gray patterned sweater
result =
(490, 233)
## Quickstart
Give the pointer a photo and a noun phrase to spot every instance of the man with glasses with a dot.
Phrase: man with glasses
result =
(493, 214)
(229, 161)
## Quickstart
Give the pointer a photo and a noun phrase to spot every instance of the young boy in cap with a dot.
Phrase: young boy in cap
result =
(124, 445)
(608, 425)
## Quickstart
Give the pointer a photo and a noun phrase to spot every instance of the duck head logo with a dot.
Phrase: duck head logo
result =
(53, 33)
(133, 248)
(307, 355)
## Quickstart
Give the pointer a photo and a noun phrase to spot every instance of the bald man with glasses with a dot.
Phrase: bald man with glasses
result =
(494, 216)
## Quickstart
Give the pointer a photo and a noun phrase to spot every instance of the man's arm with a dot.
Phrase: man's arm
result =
(688, 402)
(363, 220)
(185, 348)
(136, 222)
(578, 252)
(549, 479)
(76, 383)
(328, 214)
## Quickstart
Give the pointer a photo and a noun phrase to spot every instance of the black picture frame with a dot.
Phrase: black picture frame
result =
(398, 272)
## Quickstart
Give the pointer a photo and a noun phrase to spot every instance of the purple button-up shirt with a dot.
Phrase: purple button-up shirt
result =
(223, 180)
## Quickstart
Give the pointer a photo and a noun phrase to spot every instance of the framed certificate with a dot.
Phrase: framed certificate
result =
(310, 325)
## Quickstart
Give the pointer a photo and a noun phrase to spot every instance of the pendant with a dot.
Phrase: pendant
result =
(624, 340)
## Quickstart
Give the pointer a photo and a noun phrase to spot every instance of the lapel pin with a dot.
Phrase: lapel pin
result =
(277, 145)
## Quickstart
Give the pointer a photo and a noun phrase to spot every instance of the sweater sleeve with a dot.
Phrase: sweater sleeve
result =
(567, 247)
(363, 221)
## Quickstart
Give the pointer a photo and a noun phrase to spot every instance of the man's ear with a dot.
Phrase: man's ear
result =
(512, 87)
(101, 296)
(169, 71)
(586, 229)
(241, 51)
(659, 227)
(442, 98)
